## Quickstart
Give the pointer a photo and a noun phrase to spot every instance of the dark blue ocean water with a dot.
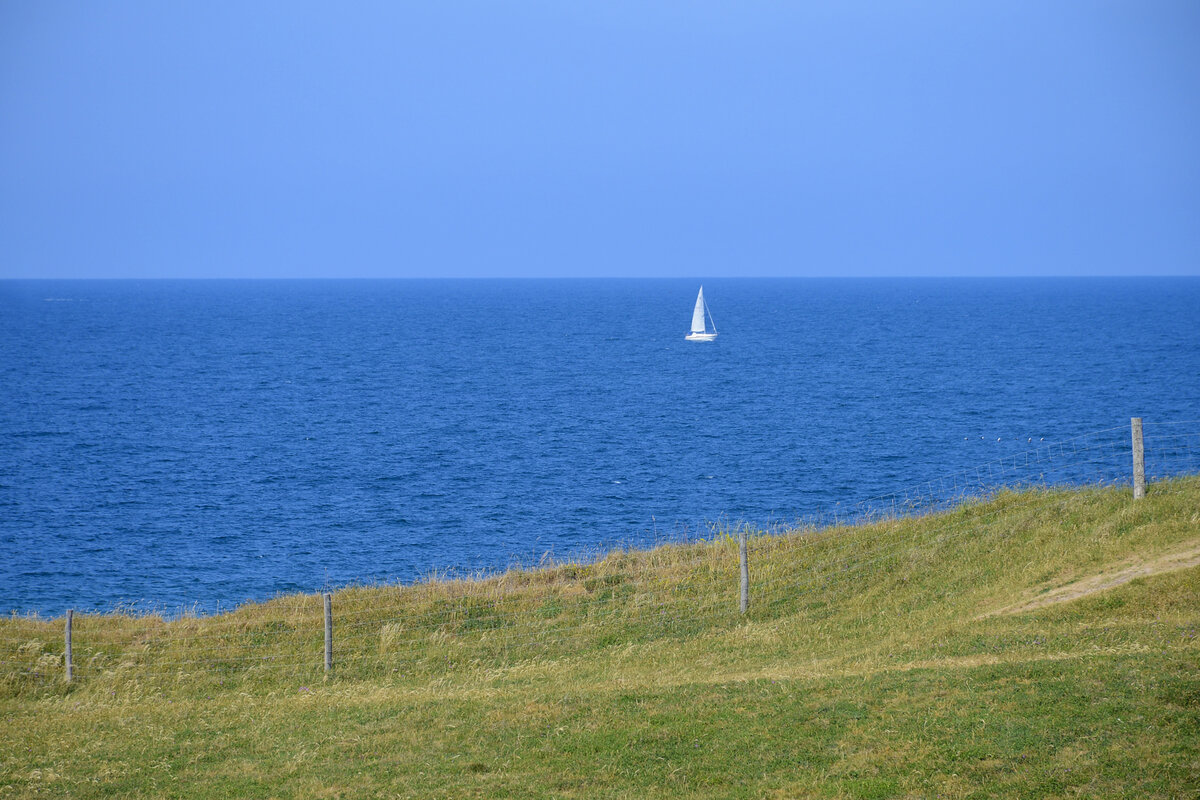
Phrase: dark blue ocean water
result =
(202, 443)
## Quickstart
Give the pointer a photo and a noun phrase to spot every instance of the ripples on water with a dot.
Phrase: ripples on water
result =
(181, 443)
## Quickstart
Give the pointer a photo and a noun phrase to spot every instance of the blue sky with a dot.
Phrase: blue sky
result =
(421, 139)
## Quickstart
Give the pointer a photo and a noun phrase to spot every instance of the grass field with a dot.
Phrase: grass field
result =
(1039, 644)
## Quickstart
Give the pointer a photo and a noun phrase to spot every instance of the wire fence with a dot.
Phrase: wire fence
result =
(628, 598)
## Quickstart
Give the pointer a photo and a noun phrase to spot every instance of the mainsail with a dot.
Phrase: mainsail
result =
(698, 313)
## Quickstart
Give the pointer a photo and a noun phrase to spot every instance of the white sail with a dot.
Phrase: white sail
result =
(698, 313)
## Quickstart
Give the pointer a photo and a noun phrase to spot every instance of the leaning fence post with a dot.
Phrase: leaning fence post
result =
(745, 570)
(1139, 460)
(67, 656)
(328, 632)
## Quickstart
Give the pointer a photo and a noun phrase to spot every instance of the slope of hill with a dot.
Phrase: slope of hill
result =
(1042, 643)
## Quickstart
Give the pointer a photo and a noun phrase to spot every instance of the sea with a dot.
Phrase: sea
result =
(186, 446)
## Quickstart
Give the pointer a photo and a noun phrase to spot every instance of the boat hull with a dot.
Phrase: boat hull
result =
(700, 337)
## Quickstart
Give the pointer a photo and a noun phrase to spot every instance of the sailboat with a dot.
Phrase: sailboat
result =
(699, 329)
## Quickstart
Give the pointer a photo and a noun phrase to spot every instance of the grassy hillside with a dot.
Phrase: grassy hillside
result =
(942, 656)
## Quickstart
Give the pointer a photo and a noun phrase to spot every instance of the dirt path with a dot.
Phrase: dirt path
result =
(1182, 557)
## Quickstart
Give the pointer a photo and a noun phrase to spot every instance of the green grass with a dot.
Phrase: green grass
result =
(871, 664)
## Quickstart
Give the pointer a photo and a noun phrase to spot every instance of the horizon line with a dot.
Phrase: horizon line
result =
(250, 278)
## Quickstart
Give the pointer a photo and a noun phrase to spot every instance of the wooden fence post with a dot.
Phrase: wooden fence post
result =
(1139, 460)
(745, 570)
(328, 632)
(67, 656)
